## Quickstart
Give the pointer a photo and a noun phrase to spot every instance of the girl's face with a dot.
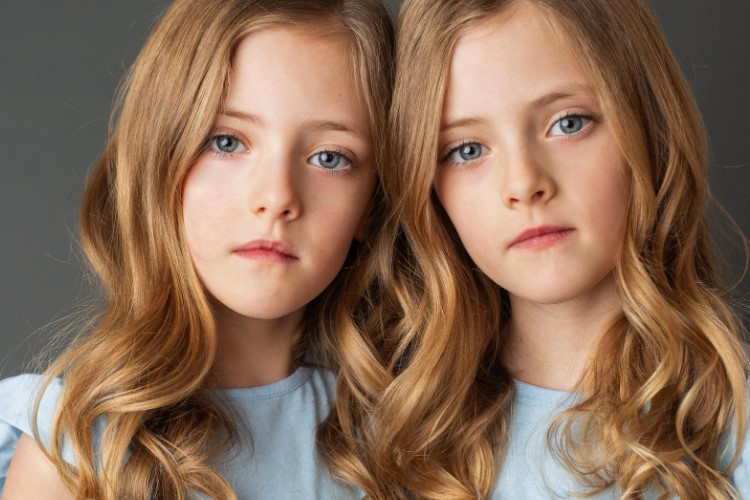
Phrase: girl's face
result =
(272, 204)
(529, 171)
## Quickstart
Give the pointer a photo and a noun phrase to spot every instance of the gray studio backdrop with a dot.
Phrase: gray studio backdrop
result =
(60, 62)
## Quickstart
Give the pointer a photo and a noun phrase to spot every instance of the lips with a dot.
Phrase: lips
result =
(541, 237)
(266, 251)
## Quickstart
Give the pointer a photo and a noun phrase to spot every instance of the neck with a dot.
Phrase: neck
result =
(551, 344)
(253, 352)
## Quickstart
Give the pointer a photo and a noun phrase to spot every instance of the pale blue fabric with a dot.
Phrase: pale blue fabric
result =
(531, 472)
(282, 419)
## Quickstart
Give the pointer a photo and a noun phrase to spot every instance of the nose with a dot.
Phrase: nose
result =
(276, 195)
(525, 179)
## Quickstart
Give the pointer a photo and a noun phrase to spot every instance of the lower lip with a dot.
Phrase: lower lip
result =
(543, 240)
(265, 255)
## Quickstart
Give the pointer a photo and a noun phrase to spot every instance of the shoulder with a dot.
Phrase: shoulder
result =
(741, 474)
(32, 475)
(323, 378)
(18, 396)
(321, 386)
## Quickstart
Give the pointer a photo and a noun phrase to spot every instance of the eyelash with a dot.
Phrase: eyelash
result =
(444, 159)
(223, 154)
(589, 119)
(334, 150)
(337, 151)
(573, 114)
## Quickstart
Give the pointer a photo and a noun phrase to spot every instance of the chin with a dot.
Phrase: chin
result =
(266, 307)
(544, 299)
(548, 293)
(562, 289)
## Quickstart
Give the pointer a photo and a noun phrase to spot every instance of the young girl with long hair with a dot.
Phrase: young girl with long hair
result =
(237, 183)
(564, 329)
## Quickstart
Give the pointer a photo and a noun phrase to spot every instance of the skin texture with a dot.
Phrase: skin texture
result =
(292, 110)
(291, 100)
(32, 476)
(537, 151)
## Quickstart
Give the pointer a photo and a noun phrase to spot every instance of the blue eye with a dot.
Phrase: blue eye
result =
(330, 160)
(466, 152)
(227, 144)
(569, 125)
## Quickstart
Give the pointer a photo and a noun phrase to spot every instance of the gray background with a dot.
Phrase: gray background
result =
(60, 63)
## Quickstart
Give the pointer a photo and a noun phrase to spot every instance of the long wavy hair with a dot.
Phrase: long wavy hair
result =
(665, 387)
(141, 370)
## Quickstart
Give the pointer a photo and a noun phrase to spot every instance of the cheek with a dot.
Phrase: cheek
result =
(334, 211)
(197, 228)
(342, 210)
(618, 191)
(607, 201)
(205, 215)
(462, 197)
(450, 192)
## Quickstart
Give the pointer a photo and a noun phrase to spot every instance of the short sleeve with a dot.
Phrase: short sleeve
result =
(741, 474)
(740, 477)
(17, 398)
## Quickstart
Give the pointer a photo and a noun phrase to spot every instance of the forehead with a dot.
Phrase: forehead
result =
(262, 53)
(290, 71)
(513, 56)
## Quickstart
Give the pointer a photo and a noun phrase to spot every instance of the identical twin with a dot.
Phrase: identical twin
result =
(473, 264)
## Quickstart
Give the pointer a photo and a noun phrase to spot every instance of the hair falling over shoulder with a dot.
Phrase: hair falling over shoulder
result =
(667, 383)
(141, 370)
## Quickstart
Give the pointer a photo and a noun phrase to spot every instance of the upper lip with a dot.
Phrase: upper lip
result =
(538, 231)
(264, 244)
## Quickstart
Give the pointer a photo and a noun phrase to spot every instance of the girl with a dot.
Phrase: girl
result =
(241, 169)
(566, 332)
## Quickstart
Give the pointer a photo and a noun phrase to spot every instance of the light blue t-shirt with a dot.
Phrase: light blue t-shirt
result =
(282, 418)
(532, 472)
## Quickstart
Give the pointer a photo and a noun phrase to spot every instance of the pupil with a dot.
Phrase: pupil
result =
(329, 160)
(571, 125)
(469, 152)
(226, 143)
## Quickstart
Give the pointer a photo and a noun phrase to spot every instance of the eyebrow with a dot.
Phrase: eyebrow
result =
(563, 92)
(326, 125)
(463, 122)
(241, 115)
(313, 125)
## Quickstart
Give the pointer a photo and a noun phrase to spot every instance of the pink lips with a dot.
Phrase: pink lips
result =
(266, 251)
(541, 237)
